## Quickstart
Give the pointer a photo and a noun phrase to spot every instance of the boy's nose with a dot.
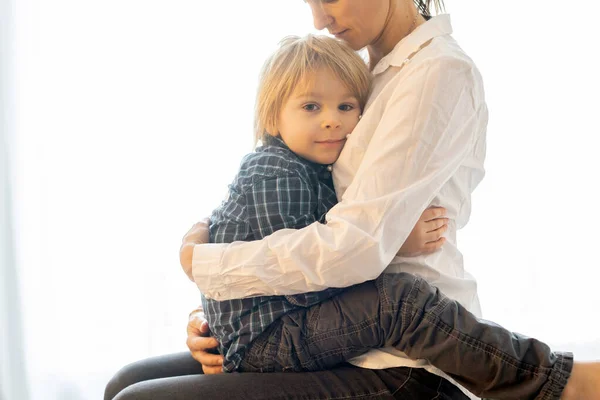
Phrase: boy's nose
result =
(331, 123)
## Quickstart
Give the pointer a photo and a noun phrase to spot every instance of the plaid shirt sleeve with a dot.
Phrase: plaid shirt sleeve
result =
(280, 202)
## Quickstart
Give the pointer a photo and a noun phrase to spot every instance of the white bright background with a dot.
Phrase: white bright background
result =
(129, 118)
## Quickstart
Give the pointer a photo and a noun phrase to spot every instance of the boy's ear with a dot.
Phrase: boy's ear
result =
(272, 130)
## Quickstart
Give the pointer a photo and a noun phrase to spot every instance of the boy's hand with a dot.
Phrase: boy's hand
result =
(198, 234)
(201, 344)
(426, 236)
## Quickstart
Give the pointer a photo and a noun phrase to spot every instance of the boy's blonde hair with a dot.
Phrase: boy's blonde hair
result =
(292, 64)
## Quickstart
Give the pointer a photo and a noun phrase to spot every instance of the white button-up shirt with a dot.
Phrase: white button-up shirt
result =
(420, 142)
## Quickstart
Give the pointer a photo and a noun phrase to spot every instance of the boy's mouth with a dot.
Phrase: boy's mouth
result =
(331, 143)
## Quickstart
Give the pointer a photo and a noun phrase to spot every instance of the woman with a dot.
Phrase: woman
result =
(421, 142)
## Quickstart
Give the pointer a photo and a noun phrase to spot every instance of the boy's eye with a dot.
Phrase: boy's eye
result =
(310, 107)
(346, 107)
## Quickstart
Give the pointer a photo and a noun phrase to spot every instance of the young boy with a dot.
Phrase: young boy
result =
(310, 98)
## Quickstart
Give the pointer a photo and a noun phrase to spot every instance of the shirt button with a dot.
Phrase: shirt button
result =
(329, 168)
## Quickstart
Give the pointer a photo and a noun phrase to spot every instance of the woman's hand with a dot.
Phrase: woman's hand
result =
(200, 343)
(426, 236)
(198, 234)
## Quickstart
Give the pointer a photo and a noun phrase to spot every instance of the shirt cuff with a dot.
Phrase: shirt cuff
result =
(206, 269)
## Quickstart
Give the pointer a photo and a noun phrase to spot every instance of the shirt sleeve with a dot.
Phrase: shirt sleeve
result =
(280, 202)
(423, 137)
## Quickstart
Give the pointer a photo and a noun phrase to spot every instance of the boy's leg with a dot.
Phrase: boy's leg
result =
(405, 312)
(484, 357)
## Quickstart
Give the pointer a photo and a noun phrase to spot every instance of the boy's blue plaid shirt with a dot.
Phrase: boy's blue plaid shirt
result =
(274, 189)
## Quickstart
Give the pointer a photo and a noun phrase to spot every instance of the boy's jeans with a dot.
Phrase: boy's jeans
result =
(405, 312)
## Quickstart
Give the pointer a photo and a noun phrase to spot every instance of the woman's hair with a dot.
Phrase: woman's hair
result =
(424, 6)
(294, 63)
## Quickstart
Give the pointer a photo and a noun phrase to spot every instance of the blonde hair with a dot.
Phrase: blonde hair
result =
(292, 64)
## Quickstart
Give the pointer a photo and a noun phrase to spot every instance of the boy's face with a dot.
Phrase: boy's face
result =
(317, 117)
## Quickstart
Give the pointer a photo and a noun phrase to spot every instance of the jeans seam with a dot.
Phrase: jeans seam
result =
(347, 331)
(329, 353)
(479, 345)
(309, 361)
(403, 383)
(438, 389)
(366, 395)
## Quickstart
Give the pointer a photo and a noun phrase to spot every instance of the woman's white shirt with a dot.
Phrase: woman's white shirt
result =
(420, 142)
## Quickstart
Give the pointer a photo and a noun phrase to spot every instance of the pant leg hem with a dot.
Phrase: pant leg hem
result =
(557, 380)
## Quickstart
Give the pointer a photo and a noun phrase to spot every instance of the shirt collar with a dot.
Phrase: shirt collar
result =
(270, 140)
(437, 26)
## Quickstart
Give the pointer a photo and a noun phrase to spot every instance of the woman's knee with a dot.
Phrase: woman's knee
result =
(136, 391)
(125, 377)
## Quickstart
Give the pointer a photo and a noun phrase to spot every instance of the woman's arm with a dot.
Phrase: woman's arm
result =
(423, 138)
